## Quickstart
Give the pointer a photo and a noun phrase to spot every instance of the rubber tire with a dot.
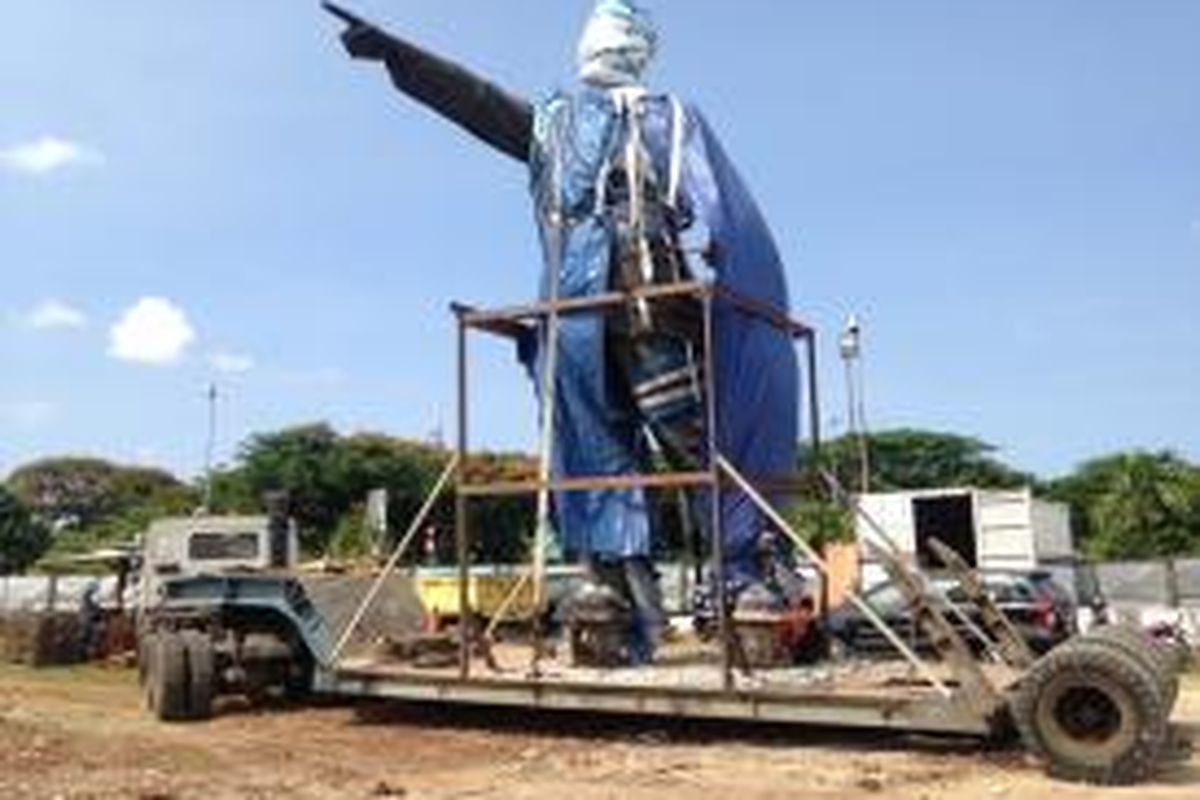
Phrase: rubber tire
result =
(1181, 655)
(147, 670)
(1144, 649)
(1142, 734)
(143, 658)
(297, 686)
(168, 677)
(201, 663)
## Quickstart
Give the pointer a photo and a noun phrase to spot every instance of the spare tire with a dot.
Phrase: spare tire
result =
(1093, 714)
(1150, 653)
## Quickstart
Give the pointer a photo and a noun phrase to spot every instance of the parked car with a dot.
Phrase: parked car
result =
(1042, 611)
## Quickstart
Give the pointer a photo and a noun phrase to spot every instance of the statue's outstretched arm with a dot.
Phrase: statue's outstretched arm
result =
(499, 118)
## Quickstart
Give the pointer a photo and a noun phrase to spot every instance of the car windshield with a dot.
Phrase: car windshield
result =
(1004, 588)
(885, 599)
(1011, 591)
(206, 546)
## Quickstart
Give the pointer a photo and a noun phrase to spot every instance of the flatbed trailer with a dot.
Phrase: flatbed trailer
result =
(882, 696)
(1096, 709)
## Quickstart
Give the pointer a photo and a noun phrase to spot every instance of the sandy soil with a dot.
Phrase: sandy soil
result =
(82, 734)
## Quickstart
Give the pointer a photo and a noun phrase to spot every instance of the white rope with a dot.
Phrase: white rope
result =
(629, 103)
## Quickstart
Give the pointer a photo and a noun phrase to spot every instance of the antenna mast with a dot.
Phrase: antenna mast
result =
(210, 446)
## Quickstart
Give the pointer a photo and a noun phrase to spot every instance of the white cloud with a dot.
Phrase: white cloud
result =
(46, 155)
(54, 314)
(28, 414)
(231, 363)
(153, 331)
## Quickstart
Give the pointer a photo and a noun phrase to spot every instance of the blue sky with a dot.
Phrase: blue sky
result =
(1007, 193)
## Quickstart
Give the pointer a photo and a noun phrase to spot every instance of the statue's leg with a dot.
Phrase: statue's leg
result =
(649, 617)
(597, 435)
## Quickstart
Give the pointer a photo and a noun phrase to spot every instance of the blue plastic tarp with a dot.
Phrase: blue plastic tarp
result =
(597, 433)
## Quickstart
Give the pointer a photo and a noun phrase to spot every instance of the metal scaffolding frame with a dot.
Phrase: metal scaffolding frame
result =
(518, 321)
(966, 703)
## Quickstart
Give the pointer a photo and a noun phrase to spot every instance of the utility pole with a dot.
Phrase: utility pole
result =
(210, 446)
(851, 350)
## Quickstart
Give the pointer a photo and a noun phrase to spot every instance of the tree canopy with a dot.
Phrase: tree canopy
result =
(1134, 505)
(89, 501)
(906, 458)
(1127, 505)
(23, 539)
(327, 477)
(83, 491)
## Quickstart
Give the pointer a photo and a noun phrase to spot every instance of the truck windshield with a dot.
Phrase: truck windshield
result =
(223, 546)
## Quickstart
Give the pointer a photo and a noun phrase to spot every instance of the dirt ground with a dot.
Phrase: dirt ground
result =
(81, 734)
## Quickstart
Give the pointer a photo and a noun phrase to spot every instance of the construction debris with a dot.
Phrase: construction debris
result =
(41, 639)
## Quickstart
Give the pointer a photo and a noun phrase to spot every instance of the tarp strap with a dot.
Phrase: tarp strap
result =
(677, 136)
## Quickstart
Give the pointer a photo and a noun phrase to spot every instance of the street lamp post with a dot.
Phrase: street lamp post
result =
(850, 345)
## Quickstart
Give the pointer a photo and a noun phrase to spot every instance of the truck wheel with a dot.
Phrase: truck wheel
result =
(168, 677)
(201, 663)
(1092, 714)
(147, 645)
(1142, 648)
(297, 686)
(143, 659)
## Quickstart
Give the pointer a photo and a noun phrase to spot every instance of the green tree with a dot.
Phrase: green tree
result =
(90, 501)
(304, 462)
(69, 490)
(917, 459)
(232, 492)
(351, 540)
(821, 521)
(23, 539)
(406, 469)
(326, 475)
(502, 528)
(1134, 505)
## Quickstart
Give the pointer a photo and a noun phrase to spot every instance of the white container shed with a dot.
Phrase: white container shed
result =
(991, 529)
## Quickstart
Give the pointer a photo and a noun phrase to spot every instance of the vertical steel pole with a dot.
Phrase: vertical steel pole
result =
(718, 533)
(814, 433)
(864, 440)
(461, 534)
(814, 399)
(210, 447)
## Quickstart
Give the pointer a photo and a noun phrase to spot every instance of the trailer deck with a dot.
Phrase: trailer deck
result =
(882, 695)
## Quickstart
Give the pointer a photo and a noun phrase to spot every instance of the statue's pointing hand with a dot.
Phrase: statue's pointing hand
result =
(502, 120)
(361, 39)
(364, 41)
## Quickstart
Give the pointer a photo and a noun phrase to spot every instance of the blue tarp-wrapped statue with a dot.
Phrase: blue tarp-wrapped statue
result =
(627, 184)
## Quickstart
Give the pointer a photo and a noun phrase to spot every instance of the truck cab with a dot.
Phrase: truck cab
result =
(184, 547)
(221, 610)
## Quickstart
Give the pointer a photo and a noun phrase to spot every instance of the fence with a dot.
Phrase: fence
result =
(39, 593)
(42, 624)
(1145, 592)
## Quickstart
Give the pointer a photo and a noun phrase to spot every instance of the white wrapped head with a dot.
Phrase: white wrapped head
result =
(618, 44)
